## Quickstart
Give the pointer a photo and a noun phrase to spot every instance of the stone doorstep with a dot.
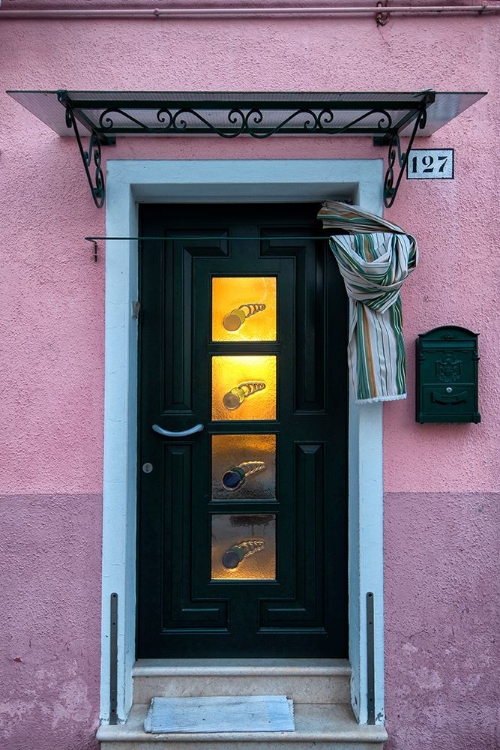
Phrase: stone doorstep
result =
(304, 680)
(322, 727)
(152, 667)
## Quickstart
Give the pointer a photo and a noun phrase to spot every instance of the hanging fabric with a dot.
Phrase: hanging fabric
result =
(374, 260)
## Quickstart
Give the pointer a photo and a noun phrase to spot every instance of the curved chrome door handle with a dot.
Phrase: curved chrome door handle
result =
(181, 433)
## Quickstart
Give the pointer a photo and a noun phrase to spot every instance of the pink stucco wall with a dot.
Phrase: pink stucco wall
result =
(442, 485)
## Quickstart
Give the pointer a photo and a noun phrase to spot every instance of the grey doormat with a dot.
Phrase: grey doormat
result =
(252, 713)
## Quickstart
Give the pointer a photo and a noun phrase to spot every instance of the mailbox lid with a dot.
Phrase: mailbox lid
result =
(449, 337)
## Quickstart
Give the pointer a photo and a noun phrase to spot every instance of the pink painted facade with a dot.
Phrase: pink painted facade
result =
(441, 482)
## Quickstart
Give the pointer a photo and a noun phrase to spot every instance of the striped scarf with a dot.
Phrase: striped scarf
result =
(374, 259)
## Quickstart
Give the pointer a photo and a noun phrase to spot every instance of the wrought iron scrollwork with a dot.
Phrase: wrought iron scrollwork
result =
(250, 122)
(91, 157)
(399, 158)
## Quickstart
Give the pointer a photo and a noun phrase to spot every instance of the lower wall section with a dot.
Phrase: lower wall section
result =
(50, 621)
(442, 602)
(442, 567)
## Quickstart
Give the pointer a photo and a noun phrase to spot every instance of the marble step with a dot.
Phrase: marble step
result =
(304, 680)
(317, 727)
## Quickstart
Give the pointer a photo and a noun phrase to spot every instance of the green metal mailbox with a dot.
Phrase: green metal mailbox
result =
(447, 375)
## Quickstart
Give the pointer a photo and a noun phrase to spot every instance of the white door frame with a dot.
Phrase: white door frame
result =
(224, 181)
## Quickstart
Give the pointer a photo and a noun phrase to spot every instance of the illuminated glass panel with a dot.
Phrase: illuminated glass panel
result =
(244, 547)
(244, 308)
(243, 467)
(244, 387)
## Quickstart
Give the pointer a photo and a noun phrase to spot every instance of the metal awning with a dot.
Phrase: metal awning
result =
(105, 115)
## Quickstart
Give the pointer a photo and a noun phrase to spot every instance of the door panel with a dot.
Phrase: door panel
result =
(242, 527)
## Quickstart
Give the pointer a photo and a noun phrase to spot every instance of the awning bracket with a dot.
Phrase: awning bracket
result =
(397, 154)
(91, 157)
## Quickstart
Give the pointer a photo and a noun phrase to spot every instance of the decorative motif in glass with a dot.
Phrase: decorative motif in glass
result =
(243, 467)
(244, 308)
(244, 547)
(244, 387)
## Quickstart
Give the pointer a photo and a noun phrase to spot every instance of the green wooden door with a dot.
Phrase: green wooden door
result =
(242, 526)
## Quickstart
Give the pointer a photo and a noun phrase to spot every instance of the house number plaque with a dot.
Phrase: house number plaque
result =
(430, 164)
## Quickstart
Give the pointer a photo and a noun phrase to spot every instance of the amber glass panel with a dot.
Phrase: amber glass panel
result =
(244, 308)
(244, 387)
(244, 547)
(243, 467)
